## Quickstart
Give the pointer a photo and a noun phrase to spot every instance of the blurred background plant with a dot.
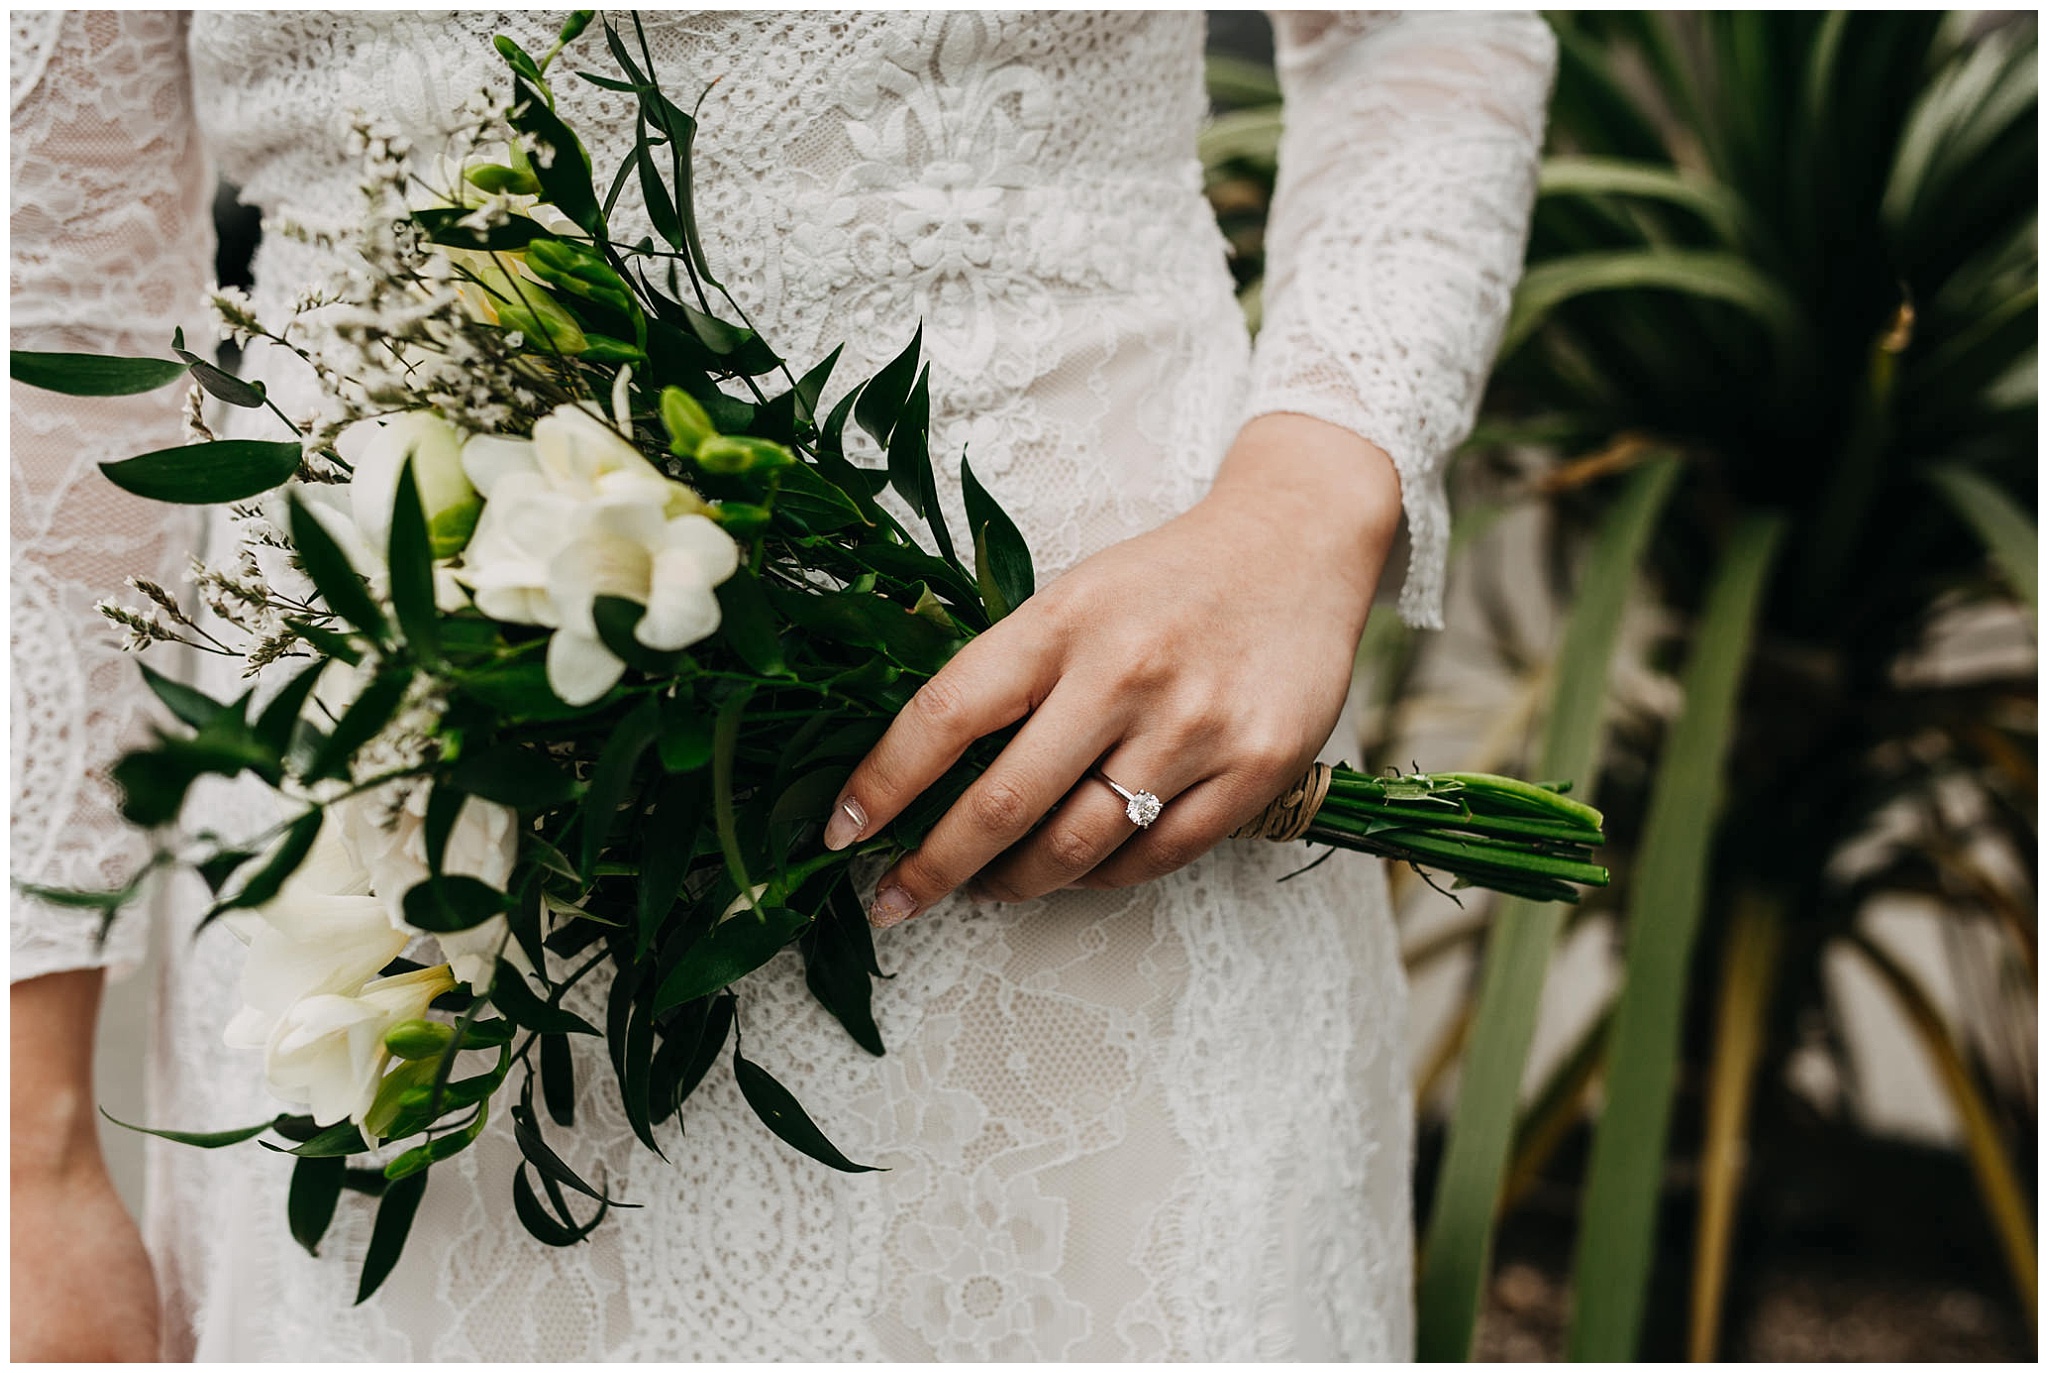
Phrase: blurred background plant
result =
(1746, 539)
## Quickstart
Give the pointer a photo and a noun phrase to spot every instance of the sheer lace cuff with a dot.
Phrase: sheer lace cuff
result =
(1407, 172)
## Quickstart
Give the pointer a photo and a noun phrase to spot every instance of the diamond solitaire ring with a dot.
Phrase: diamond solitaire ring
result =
(1142, 807)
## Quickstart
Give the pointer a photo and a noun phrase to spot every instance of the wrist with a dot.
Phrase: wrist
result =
(1332, 496)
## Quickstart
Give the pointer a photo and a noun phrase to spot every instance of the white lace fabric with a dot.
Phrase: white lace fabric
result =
(1164, 1123)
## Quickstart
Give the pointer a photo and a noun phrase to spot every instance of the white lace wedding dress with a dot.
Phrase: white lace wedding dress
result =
(1171, 1122)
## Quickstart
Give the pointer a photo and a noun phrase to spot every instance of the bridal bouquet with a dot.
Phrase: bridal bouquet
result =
(578, 615)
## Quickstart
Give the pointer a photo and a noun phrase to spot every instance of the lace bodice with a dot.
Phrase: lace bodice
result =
(1108, 1116)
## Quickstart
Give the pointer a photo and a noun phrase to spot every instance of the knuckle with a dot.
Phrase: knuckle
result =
(922, 878)
(1171, 852)
(999, 806)
(942, 704)
(1071, 850)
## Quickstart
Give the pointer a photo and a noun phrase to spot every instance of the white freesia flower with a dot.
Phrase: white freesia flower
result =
(483, 843)
(577, 513)
(327, 1052)
(323, 933)
(378, 450)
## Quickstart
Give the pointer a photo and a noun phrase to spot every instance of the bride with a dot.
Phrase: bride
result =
(1140, 1101)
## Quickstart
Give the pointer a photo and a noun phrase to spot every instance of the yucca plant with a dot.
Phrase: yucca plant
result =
(1780, 309)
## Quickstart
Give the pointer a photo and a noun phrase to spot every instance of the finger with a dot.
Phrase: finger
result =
(1196, 821)
(1092, 824)
(995, 681)
(1038, 767)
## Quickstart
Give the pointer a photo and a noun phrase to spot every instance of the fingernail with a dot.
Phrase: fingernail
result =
(893, 906)
(846, 824)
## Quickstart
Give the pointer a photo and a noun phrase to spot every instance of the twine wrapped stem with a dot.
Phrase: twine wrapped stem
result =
(1287, 817)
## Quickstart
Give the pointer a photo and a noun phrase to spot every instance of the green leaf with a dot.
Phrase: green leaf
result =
(247, 395)
(268, 880)
(565, 177)
(811, 385)
(1624, 1179)
(395, 1210)
(199, 1139)
(713, 1030)
(881, 400)
(412, 569)
(512, 995)
(669, 832)
(89, 374)
(1999, 521)
(189, 704)
(359, 724)
(836, 958)
(520, 690)
(543, 1226)
(612, 779)
(335, 645)
(1458, 1251)
(1002, 561)
(334, 1141)
(1621, 176)
(451, 903)
(544, 1160)
(309, 1209)
(279, 722)
(734, 948)
(445, 226)
(747, 624)
(910, 450)
(781, 1113)
(334, 575)
(1725, 277)
(206, 473)
(558, 1080)
(685, 735)
(512, 775)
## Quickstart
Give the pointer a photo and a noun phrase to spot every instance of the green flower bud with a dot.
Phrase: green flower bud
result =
(741, 520)
(389, 1105)
(547, 326)
(729, 455)
(687, 423)
(579, 270)
(418, 1038)
(493, 177)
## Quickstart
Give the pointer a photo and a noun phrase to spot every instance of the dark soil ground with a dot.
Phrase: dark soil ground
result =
(1848, 1249)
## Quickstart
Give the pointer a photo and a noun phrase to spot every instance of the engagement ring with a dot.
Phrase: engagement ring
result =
(1141, 806)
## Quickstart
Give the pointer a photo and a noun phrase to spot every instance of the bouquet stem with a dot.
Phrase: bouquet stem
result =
(1485, 831)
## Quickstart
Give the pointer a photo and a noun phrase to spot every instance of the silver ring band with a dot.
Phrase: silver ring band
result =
(1141, 807)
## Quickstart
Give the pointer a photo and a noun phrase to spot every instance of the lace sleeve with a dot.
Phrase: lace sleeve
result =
(111, 246)
(1407, 172)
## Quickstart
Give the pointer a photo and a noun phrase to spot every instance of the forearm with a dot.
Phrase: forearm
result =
(52, 1119)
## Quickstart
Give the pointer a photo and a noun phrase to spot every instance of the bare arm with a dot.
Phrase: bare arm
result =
(81, 1284)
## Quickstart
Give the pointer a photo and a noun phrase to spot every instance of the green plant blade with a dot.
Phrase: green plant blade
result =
(88, 374)
(1617, 1220)
(1749, 974)
(1591, 176)
(2008, 535)
(1460, 1238)
(1711, 275)
(206, 473)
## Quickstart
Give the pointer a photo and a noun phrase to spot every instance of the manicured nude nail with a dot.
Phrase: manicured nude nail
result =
(846, 824)
(893, 906)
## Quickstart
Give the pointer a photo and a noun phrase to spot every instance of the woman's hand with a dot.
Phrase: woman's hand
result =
(82, 1288)
(1205, 662)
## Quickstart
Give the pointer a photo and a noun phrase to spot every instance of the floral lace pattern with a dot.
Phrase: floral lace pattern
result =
(1164, 1123)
